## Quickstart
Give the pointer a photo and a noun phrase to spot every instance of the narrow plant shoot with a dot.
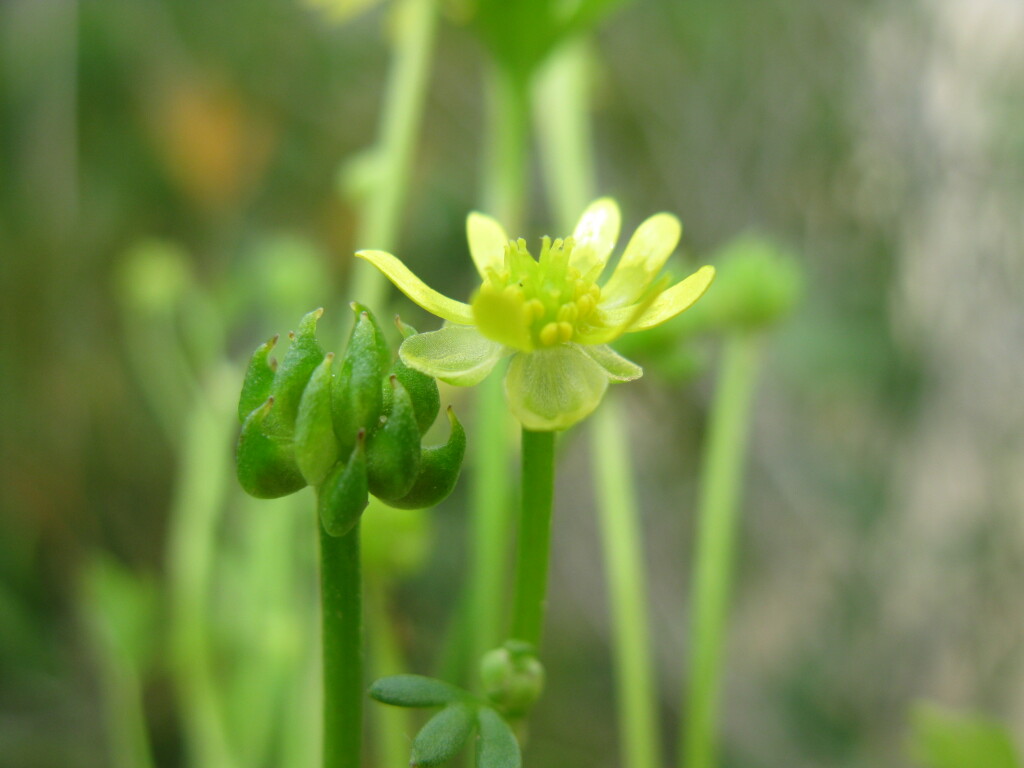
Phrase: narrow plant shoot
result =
(349, 427)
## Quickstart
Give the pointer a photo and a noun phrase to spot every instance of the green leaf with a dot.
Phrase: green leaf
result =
(941, 738)
(316, 450)
(444, 735)
(393, 451)
(415, 691)
(497, 746)
(342, 497)
(258, 378)
(439, 470)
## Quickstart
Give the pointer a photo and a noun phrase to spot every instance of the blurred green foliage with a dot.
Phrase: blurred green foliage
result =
(178, 162)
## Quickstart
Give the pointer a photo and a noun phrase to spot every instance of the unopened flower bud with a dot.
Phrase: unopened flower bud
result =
(513, 678)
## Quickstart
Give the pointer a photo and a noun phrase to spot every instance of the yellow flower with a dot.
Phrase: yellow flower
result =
(549, 313)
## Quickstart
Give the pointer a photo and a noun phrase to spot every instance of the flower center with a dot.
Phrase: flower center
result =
(548, 300)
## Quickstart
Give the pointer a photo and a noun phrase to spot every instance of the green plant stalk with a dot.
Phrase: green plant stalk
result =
(491, 521)
(267, 569)
(718, 516)
(561, 97)
(504, 185)
(122, 697)
(341, 633)
(400, 123)
(508, 148)
(391, 741)
(401, 118)
(623, 557)
(195, 514)
(560, 108)
(538, 492)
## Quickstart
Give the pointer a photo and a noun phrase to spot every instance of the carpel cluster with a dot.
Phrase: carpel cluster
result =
(348, 426)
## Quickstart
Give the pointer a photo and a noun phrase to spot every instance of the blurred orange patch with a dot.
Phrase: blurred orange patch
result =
(213, 147)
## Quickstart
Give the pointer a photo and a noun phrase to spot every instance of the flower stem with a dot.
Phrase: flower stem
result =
(538, 491)
(503, 194)
(195, 515)
(400, 123)
(561, 109)
(391, 723)
(340, 601)
(561, 99)
(491, 521)
(720, 483)
(508, 158)
(623, 556)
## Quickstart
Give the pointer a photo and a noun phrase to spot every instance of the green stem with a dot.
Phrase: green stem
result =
(561, 106)
(623, 555)
(508, 158)
(400, 123)
(491, 521)
(122, 698)
(504, 185)
(538, 491)
(721, 479)
(392, 723)
(340, 602)
(195, 515)
(401, 117)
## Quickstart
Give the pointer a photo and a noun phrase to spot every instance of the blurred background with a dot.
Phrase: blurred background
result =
(176, 185)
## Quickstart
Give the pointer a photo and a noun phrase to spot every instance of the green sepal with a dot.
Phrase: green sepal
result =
(357, 400)
(416, 691)
(303, 356)
(440, 466)
(393, 451)
(258, 378)
(497, 746)
(422, 389)
(342, 496)
(444, 735)
(265, 463)
(316, 450)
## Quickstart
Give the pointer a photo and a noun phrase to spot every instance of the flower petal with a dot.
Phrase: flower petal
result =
(554, 388)
(434, 302)
(501, 315)
(487, 241)
(676, 299)
(457, 354)
(615, 365)
(595, 235)
(647, 252)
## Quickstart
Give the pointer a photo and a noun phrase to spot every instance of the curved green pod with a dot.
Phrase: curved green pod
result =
(303, 356)
(356, 398)
(259, 376)
(393, 451)
(316, 450)
(265, 463)
(439, 470)
(342, 496)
